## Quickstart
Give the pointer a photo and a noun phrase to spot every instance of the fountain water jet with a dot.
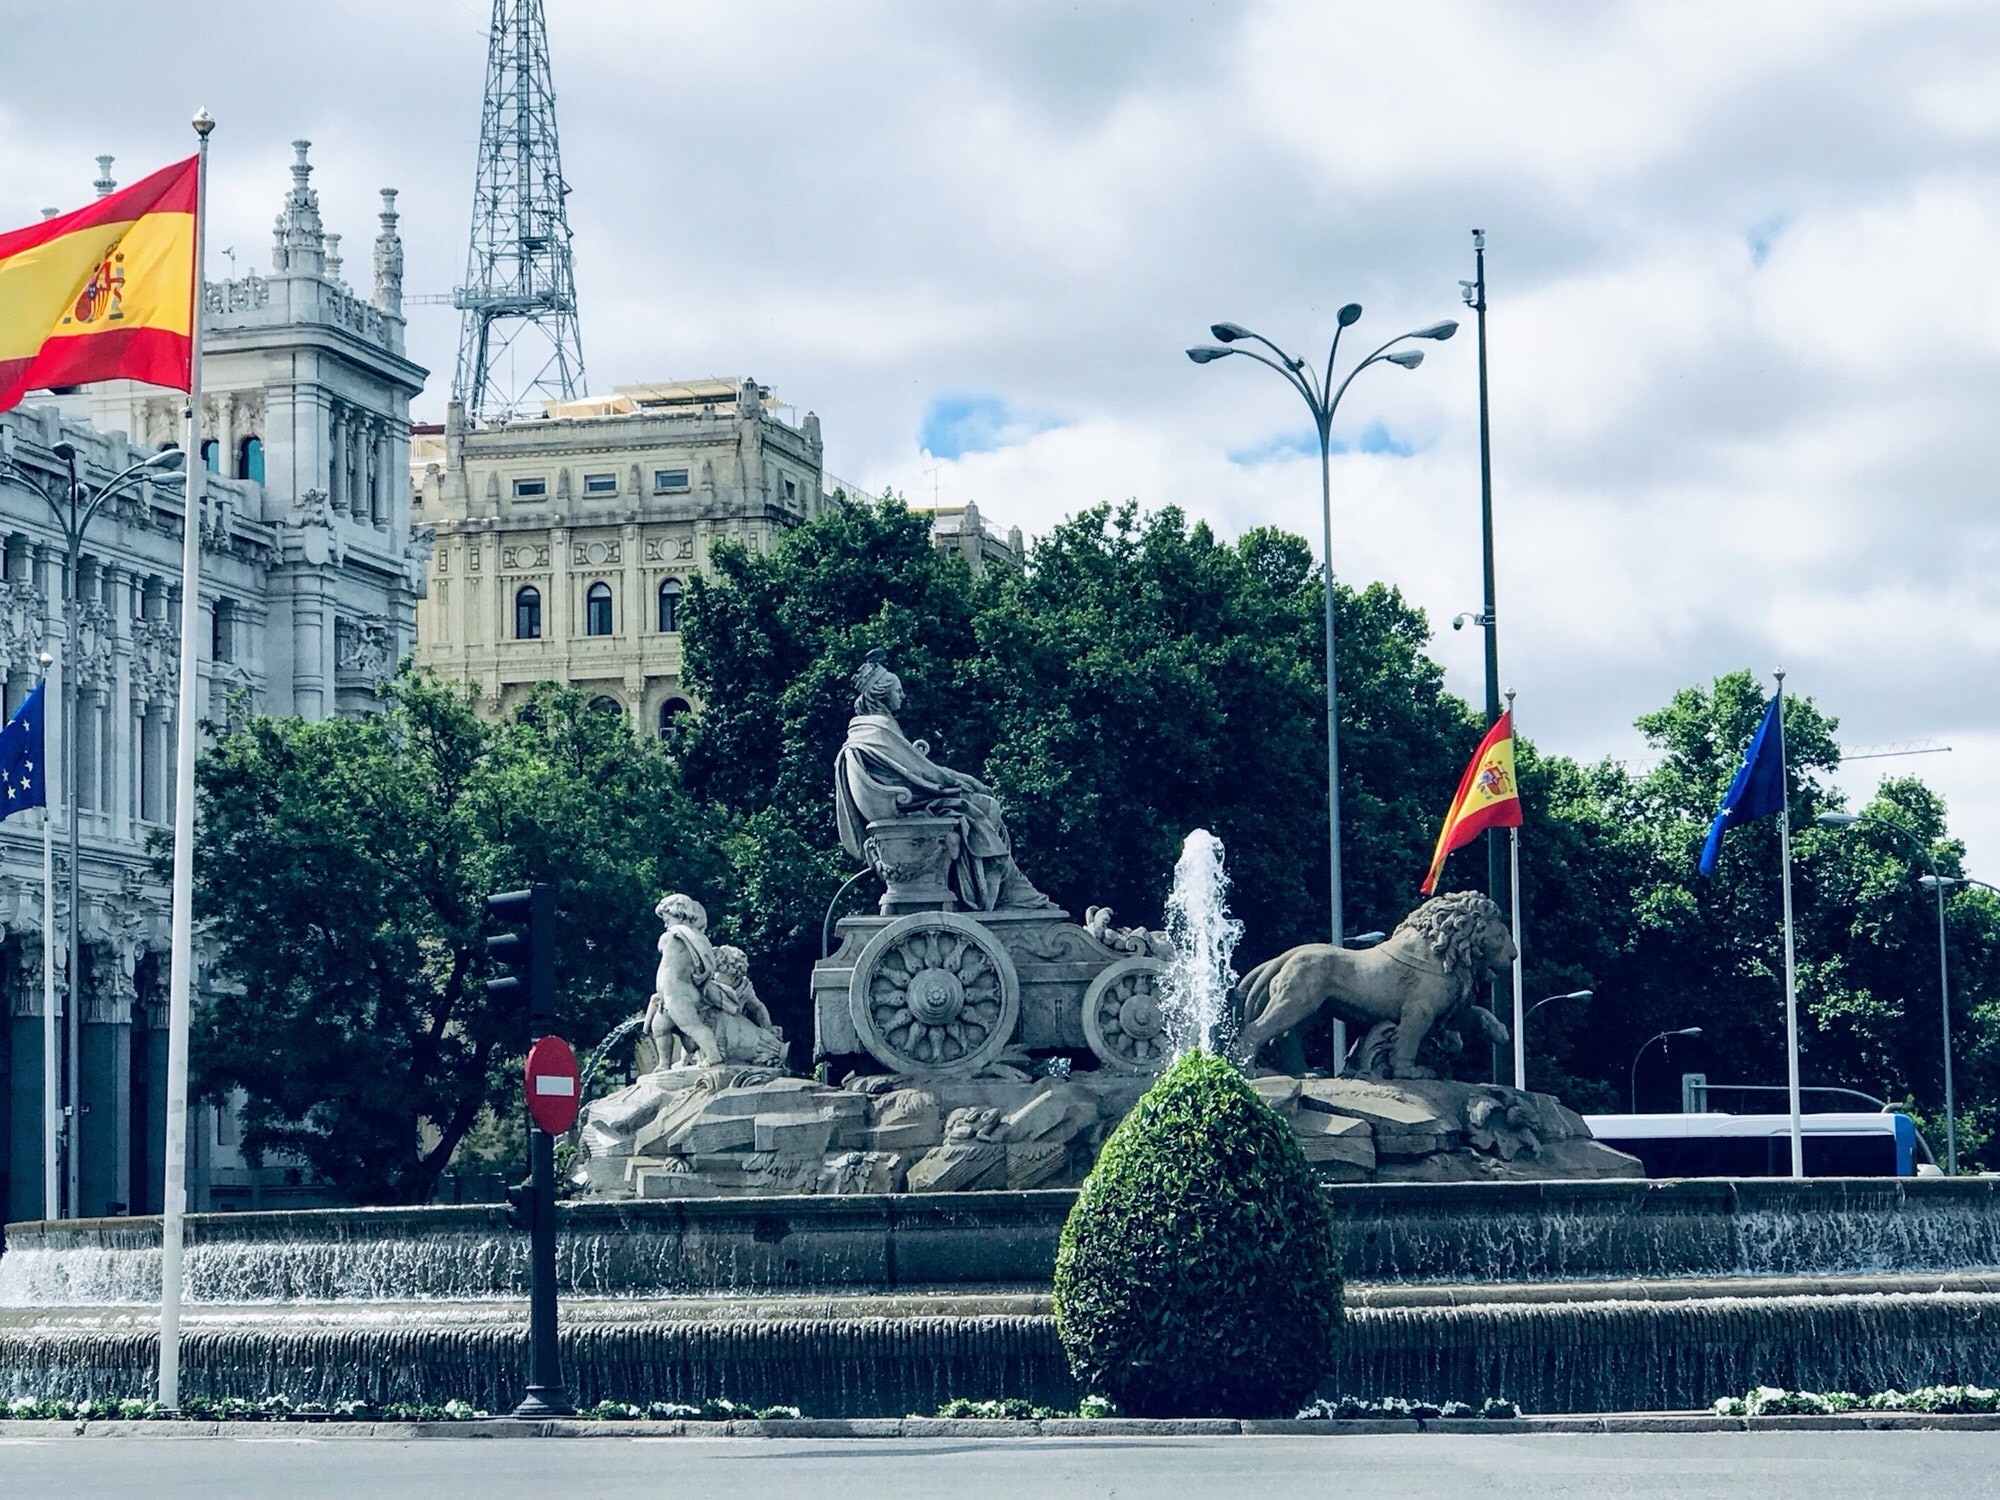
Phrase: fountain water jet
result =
(1195, 989)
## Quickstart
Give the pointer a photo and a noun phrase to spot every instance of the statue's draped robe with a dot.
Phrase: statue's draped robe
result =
(880, 776)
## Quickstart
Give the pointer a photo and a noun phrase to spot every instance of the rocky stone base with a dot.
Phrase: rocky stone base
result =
(1435, 1130)
(706, 1132)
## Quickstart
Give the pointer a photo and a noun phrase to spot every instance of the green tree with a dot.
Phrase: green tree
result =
(342, 868)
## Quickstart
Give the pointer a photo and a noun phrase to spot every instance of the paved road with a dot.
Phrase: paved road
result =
(1710, 1466)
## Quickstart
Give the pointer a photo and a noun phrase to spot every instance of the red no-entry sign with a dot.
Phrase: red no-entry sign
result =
(555, 1087)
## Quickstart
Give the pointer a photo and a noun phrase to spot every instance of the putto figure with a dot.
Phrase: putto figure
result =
(882, 776)
(704, 1011)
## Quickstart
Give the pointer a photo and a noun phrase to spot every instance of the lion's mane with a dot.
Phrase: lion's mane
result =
(1451, 925)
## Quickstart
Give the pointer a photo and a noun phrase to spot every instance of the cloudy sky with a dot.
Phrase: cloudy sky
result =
(1745, 323)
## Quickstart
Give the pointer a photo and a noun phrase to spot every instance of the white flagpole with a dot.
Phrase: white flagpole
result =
(1514, 886)
(181, 975)
(1791, 968)
(51, 1103)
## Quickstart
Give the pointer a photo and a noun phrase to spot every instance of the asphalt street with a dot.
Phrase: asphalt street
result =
(1712, 1466)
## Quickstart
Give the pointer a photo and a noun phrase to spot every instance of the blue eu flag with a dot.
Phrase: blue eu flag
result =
(23, 781)
(1759, 787)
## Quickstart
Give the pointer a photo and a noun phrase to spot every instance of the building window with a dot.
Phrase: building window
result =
(222, 645)
(600, 484)
(606, 705)
(597, 610)
(531, 489)
(250, 459)
(665, 481)
(670, 606)
(671, 710)
(789, 485)
(528, 614)
(211, 455)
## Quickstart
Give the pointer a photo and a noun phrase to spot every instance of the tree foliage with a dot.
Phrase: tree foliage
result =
(1140, 678)
(342, 869)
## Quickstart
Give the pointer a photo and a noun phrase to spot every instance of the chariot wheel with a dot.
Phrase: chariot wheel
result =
(1122, 1019)
(934, 994)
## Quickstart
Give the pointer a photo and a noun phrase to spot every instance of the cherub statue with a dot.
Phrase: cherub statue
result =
(704, 1008)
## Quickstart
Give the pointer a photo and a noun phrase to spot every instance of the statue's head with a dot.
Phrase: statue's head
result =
(731, 962)
(877, 690)
(1467, 934)
(676, 910)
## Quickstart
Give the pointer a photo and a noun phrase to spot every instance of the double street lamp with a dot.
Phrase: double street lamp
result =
(73, 508)
(1937, 884)
(1322, 398)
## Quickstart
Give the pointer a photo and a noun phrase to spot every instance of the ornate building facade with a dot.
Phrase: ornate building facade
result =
(565, 543)
(310, 578)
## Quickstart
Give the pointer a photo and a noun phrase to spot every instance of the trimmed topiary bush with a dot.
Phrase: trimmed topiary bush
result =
(1199, 1273)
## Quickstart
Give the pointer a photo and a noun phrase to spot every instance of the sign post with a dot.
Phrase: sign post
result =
(554, 1092)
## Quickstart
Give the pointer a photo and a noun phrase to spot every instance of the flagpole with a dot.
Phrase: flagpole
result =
(1791, 968)
(180, 980)
(1514, 890)
(51, 1102)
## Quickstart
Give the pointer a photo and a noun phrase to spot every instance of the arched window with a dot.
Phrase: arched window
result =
(250, 459)
(603, 704)
(597, 610)
(670, 606)
(528, 614)
(211, 455)
(671, 710)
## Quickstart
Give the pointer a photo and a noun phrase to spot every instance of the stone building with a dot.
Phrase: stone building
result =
(310, 577)
(564, 544)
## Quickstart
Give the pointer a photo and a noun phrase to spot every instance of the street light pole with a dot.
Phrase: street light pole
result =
(1659, 1037)
(1523, 1028)
(1937, 883)
(1322, 399)
(72, 516)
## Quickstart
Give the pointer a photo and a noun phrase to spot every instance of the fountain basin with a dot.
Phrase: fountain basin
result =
(1501, 1232)
(1566, 1296)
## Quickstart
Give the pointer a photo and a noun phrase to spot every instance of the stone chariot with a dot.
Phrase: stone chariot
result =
(965, 966)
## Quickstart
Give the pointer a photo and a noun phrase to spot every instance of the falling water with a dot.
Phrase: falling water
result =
(1204, 936)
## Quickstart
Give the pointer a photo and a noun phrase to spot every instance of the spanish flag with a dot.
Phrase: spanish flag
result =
(1487, 796)
(104, 293)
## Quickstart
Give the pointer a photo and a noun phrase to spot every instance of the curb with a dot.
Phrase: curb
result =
(1052, 1427)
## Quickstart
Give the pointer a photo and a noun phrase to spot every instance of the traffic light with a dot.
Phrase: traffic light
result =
(521, 1205)
(529, 950)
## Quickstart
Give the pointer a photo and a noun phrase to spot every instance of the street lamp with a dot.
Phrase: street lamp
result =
(73, 514)
(1661, 1037)
(1546, 1000)
(1322, 398)
(1937, 884)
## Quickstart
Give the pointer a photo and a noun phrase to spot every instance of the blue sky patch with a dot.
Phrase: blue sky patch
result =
(1761, 237)
(1304, 443)
(957, 425)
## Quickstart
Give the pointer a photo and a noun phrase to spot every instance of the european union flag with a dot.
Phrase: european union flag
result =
(1759, 787)
(23, 781)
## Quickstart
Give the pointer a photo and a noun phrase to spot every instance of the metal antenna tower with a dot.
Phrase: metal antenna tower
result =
(519, 344)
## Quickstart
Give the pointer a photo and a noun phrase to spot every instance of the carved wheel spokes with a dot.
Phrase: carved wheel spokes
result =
(1122, 1020)
(934, 993)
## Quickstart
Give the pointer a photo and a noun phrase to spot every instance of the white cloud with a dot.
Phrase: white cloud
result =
(1745, 344)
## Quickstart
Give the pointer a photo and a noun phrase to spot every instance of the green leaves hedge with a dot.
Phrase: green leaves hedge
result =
(1199, 1273)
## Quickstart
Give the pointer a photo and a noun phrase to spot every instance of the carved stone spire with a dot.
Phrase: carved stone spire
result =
(389, 258)
(333, 261)
(299, 240)
(105, 185)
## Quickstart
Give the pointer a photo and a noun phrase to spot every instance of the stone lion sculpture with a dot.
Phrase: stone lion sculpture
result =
(1421, 979)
